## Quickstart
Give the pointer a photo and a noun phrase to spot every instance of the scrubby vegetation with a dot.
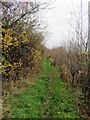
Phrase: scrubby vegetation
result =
(75, 69)
(21, 41)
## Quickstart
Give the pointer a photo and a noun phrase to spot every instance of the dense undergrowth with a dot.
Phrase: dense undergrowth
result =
(48, 97)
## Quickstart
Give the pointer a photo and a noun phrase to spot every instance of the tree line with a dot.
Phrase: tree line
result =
(22, 37)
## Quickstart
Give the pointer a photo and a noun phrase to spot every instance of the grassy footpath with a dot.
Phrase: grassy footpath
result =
(47, 97)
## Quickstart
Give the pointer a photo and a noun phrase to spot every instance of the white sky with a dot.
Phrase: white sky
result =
(57, 20)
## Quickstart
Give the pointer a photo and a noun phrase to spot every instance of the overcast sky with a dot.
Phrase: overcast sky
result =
(59, 17)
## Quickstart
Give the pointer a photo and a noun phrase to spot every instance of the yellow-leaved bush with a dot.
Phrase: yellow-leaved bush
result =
(20, 50)
(8, 40)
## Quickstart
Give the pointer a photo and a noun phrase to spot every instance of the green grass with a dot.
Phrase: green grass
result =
(49, 96)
